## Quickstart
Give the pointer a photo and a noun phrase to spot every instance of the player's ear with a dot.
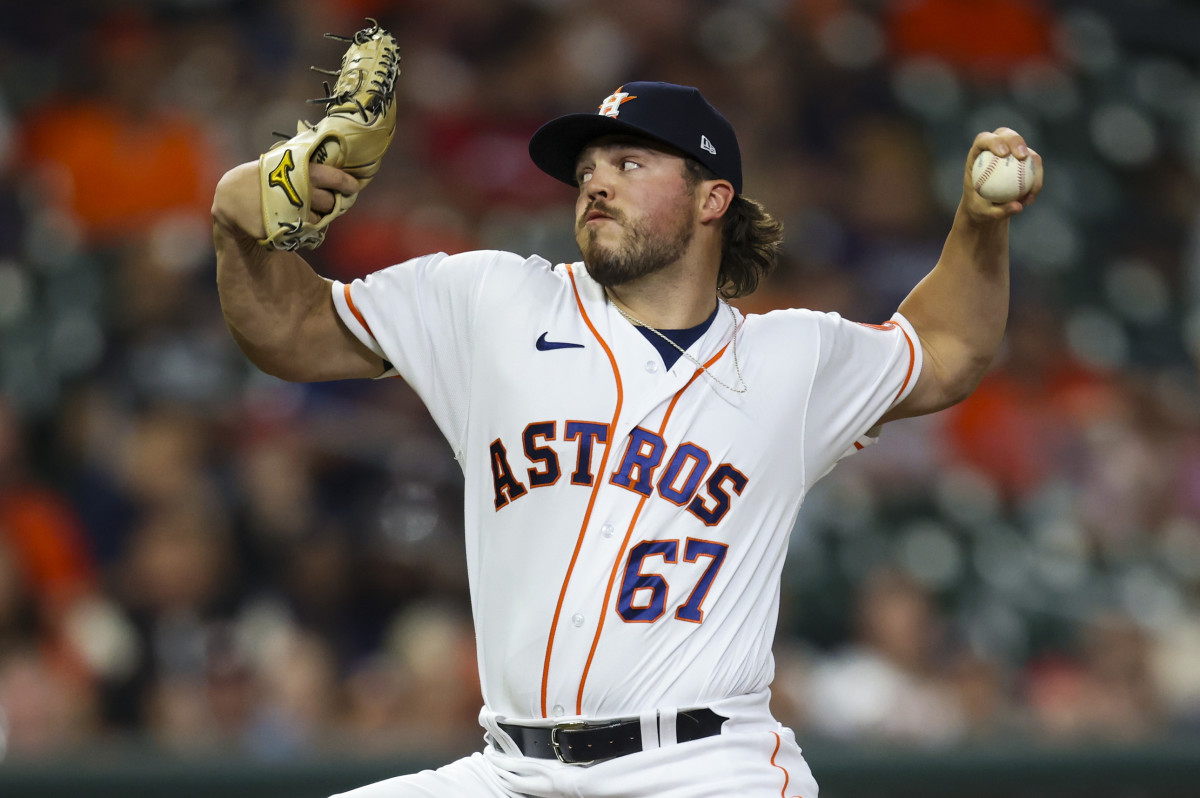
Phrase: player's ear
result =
(716, 197)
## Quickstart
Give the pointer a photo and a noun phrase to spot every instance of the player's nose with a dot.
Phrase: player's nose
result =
(600, 184)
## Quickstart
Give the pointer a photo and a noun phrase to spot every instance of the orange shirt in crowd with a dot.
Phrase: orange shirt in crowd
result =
(118, 173)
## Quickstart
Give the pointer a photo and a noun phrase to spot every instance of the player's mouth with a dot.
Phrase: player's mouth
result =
(593, 218)
(598, 211)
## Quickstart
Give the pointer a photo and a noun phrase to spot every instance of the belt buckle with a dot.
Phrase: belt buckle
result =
(554, 745)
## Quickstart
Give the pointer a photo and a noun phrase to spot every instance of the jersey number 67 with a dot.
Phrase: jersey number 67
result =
(635, 608)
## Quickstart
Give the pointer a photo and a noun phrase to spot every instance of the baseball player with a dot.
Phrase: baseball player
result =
(635, 450)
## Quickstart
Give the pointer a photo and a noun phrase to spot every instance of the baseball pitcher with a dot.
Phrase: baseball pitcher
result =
(635, 449)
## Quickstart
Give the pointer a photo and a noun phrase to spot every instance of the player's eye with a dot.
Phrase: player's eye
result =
(629, 165)
(584, 177)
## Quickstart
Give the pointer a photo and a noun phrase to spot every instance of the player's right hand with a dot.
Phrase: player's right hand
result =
(327, 182)
(1001, 141)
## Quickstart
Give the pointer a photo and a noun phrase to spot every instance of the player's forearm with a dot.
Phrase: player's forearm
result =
(960, 309)
(278, 309)
(266, 298)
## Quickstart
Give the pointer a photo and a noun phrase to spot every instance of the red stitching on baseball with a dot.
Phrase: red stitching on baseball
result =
(987, 172)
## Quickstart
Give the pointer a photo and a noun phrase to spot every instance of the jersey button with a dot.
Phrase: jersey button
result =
(607, 530)
(558, 711)
(577, 619)
(651, 366)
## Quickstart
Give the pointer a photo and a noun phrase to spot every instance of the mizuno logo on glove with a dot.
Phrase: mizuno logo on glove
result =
(279, 177)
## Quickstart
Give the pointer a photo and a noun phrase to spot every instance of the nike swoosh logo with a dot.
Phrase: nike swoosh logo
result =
(545, 346)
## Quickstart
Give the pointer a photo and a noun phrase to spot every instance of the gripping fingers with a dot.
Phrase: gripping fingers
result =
(1002, 142)
(320, 203)
(332, 179)
(1038, 177)
(328, 182)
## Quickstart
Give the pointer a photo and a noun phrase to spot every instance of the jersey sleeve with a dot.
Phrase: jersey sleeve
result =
(863, 371)
(419, 317)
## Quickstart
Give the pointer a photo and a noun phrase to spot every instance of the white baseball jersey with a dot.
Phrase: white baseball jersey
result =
(626, 523)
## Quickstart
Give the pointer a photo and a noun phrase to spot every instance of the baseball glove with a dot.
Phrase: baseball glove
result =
(359, 122)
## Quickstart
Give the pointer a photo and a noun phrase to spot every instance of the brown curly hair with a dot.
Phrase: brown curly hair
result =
(750, 239)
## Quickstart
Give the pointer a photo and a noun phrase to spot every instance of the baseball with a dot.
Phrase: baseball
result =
(1002, 180)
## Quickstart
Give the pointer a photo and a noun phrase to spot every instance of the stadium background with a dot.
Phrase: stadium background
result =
(209, 577)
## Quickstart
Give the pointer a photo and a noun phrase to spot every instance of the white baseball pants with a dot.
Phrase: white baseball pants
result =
(746, 764)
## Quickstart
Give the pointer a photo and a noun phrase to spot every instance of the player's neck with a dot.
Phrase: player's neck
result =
(679, 296)
(666, 303)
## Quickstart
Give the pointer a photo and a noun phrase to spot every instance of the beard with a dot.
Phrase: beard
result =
(642, 251)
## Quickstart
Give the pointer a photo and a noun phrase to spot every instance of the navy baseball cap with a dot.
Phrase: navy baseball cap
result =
(678, 116)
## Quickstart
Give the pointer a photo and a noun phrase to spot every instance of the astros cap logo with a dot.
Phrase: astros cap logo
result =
(677, 116)
(612, 103)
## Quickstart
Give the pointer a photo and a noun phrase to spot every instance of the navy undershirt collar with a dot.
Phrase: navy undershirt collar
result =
(683, 338)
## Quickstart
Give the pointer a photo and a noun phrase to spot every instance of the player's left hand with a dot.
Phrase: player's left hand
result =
(354, 134)
(1003, 142)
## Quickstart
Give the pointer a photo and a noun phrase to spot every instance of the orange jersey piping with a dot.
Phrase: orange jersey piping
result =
(912, 359)
(786, 776)
(603, 469)
(354, 309)
(612, 578)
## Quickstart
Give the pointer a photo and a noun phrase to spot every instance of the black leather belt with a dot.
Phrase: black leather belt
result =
(585, 743)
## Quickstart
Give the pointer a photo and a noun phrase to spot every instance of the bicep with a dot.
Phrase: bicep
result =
(941, 383)
(328, 350)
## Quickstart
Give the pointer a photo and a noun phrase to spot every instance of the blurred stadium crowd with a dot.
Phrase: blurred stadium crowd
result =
(201, 558)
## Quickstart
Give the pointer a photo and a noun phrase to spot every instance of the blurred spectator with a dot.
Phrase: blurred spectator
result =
(40, 528)
(984, 698)
(1108, 693)
(422, 693)
(116, 159)
(47, 586)
(1018, 31)
(299, 697)
(47, 708)
(1026, 419)
(888, 684)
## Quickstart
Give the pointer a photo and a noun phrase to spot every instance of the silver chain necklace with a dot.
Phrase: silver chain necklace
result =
(737, 368)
